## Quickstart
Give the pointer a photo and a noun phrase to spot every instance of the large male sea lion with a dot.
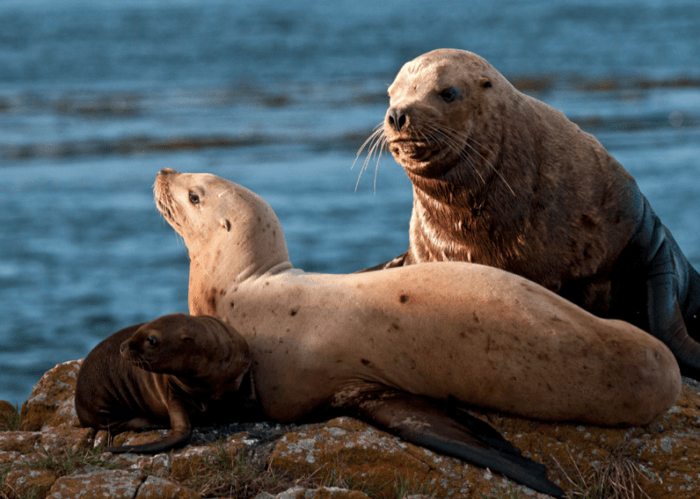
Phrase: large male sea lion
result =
(169, 372)
(391, 347)
(502, 179)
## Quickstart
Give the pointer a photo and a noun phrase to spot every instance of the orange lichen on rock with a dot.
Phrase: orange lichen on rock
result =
(51, 396)
(658, 460)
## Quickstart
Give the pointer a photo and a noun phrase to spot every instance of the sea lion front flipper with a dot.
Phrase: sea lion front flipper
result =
(399, 261)
(667, 324)
(172, 441)
(444, 429)
(180, 435)
(668, 280)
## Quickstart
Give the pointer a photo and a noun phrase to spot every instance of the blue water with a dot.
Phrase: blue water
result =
(97, 96)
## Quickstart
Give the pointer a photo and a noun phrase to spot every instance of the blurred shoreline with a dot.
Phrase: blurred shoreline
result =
(125, 108)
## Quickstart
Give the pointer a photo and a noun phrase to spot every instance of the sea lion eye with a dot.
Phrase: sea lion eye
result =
(194, 199)
(449, 94)
(152, 340)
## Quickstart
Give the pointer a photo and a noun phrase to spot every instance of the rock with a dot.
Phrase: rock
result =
(188, 462)
(24, 482)
(157, 464)
(54, 393)
(8, 412)
(347, 451)
(57, 439)
(22, 442)
(317, 493)
(159, 488)
(93, 482)
(352, 459)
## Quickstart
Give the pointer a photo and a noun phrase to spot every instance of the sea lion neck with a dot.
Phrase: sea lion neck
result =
(253, 246)
(231, 233)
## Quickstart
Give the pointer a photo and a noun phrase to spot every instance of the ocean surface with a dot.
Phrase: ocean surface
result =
(97, 96)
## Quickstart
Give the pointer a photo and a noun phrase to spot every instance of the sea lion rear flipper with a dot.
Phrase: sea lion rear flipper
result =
(399, 261)
(444, 429)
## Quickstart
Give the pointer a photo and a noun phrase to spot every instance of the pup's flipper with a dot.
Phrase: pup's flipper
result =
(172, 441)
(181, 434)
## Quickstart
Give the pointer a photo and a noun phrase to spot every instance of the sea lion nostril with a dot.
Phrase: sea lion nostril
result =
(396, 118)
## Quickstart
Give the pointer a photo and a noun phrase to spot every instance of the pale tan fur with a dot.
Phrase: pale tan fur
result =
(458, 331)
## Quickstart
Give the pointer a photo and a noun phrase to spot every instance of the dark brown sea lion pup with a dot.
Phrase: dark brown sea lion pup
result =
(502, 179)
(167, 372)
(402, 348)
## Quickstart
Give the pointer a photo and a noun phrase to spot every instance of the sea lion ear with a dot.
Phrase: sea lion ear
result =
(186, 337)
(225, 224)
(485, 82)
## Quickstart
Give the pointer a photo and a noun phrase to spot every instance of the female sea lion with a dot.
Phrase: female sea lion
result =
(502, 179)
(162, 373)
(391, 347)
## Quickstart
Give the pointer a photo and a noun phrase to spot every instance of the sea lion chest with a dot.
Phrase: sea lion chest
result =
(295, 331)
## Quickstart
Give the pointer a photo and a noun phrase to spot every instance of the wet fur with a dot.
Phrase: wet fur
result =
(502, 179)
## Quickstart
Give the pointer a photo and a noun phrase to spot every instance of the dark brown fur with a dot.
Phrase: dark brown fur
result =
(502, 179)
(165, 373)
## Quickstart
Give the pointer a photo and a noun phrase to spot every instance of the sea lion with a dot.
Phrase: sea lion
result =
(392, 347)
(163, 373)
(502, 179)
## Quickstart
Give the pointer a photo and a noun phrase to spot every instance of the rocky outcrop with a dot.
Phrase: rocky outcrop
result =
(48, 455)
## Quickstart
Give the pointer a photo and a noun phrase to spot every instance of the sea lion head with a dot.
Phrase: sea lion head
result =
(165, 345)
(229, 231)
(190, 347)
(445, 111)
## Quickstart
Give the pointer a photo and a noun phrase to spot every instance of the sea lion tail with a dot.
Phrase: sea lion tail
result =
(444, 429)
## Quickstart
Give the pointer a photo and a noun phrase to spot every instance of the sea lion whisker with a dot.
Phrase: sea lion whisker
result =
(450, 142)
(252, 261)
(371, 140)
(379, 143)
(455, 136)
(383, 147)
(377, 138)
(489, 163)
(377, 131)
(465, 138)
(167, 207)
(562, 180)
